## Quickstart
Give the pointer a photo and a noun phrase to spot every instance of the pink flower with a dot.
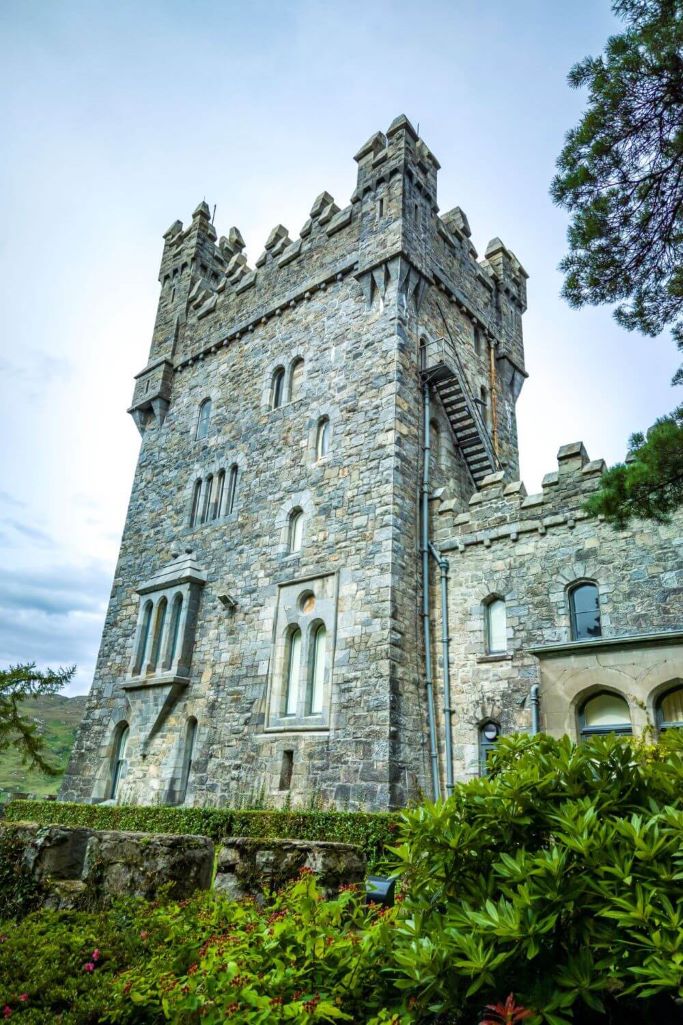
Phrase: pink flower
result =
(23, 997)
(89, 967)
(95, 956)
(144, 934)
(7, 1011)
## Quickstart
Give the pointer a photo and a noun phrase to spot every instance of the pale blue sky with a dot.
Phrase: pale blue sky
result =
(117, 118)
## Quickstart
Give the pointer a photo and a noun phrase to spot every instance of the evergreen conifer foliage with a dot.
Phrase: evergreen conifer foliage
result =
(16, 684)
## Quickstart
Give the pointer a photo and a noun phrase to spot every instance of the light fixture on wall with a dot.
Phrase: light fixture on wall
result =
(228, 601)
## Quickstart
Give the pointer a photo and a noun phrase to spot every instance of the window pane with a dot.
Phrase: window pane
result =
(671, 708)
(119, 759)
(496, 623)
(194, 514)
(278, 384)
(144, 637)
(323, 442)
(297, 373)
(318, 674)
(204, 417)
(232, 490)
(188, 751)
(585, 612)
(296, 531)
(158, 632)
(208, 492)
(606, 710)
(218, 505)
(175, 627)
(293, 667)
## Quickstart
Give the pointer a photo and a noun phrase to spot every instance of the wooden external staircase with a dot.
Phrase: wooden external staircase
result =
(441, 366)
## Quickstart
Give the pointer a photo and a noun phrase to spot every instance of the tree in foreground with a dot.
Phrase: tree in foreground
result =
(16, 727)
(620, 175)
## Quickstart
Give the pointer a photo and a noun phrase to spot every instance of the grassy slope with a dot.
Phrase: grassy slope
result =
(58, 717)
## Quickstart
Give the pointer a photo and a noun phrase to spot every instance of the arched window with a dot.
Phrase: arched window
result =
(496, 626)
(277, 388)
(296, 374)
(584, 610)
(489, 733)
(118, 761)
(317, 670)
(143, 638)
(188, 751)
(477, 339)
(296, 530)
(204, 418)
(174, 630)
(220, 488)
(293, 669)
(196, 495)
(208, 493)
(232, 490)
(158, 633)
(322, 441)
(669, 709)
(604, 713)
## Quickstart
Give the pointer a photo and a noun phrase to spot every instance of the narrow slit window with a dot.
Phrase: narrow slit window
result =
(196, 497)
(203, 420)
(277, 388)
(208, 492)
(143, 638)
(118, 759)
(158, 633)
(296, 530)
(318, 670)
(220, 489)
(293, 671)
(322, 446)
(496, 627)
(296, 375)
(286, 768)
(232, 490)
(380, 208)
(174, 630)
(188, 751)
(434, 445)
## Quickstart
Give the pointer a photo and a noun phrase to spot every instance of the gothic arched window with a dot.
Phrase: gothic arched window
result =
(669, 709)
(277, 388)
(584, 609)
(605, 712)
(196, 495)
(118, 762)
(208, 493)
(317, 670)
(293, 670)
(232, 490)
(143, 638)
(495, 626)
(322, 441)
(296, 530)
(296, 374)
(204, 418)
(220, 488)
(174, 630)
(158, 633)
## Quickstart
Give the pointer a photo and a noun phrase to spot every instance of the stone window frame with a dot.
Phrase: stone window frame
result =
(186, 762)
(117, 762)
(308, 623)
(581, 700)
(298, 500)
(296, 522)
(488, 601)
(203, 422)
(174, 659)
(278, 365)
(277, 388)
(569, 590)
(323, 421)
(228, 509)
(295, 363)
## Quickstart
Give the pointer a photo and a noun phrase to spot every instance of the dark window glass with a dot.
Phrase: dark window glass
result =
(584, 604)
(488, 738)
(218, 504)
(277, 388)
(196, 494)
(204, 418)
(232, 490)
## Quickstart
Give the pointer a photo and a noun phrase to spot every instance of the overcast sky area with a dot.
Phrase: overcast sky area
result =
(118, 118)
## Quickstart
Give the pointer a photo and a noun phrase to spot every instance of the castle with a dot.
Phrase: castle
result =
(331, 580)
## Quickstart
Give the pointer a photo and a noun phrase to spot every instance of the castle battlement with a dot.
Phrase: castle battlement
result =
(503, 509)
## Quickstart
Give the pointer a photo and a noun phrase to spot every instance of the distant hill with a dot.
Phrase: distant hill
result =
(58, 718)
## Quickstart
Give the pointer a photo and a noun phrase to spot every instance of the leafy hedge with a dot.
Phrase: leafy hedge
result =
(370, 831)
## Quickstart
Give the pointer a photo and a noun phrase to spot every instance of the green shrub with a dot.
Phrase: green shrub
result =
(370, 831)
(558, 878)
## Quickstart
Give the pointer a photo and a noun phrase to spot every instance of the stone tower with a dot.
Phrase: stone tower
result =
(264, 632)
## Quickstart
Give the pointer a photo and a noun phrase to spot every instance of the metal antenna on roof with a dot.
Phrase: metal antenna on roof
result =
(214, 213)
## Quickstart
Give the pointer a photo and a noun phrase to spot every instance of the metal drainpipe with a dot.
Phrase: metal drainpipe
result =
(535, 703)
(445, 643)
(436, 787)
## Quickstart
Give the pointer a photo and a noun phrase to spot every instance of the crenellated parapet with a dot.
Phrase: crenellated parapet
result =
(502, 509)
